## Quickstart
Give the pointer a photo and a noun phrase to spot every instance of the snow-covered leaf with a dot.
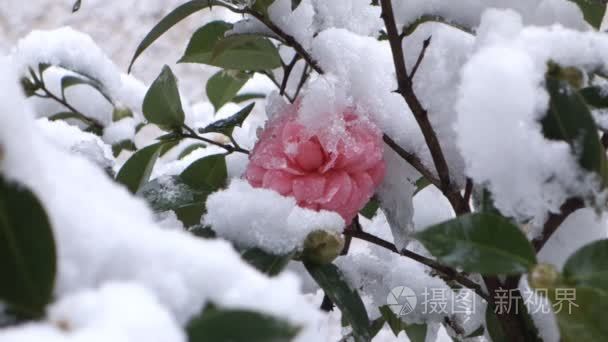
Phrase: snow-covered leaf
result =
(370, 208)
(162, 104)
(588, 267)
(27, 251)
(225, 126)
(222, 87)
(569, 119)
(177, 15)
(136, 171)
(220, 325)
(484, 243)
(331, 280)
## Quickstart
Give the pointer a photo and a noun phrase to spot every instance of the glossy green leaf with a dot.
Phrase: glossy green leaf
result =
(595, 96)
(581, 319)
(415, 332)
(331, 280)
(128, 145)
(593, 11)
(222, 325)
(209, 46)
(588, 267)
(178, 14)
(569, 119)
(27, 251)
(226, 126)
(206, 174)
(162, 104)
(265, 262)
(421, 183)
(261, 6)
(223, 86)
(136, 171)
(482, 242)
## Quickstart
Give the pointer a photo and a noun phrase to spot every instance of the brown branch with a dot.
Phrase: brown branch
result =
(445, 270)
(425, 46)
(555, 220)
(412, 159)
(405, 88)
(468, 190)
(286, 72)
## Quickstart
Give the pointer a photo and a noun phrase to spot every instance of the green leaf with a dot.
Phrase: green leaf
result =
(222, 87)
(584, 320)
(568, 119)
(421, 183)
(493, 326)
(331, 280)
(225, 126)
(177, 15)
(221, 325)
(190, 149)
(248, 96)
(370, 208)
(136, 171)
(238, 52)
(27, 251)
(162, 103)
(482, 242)
(68, 116)
(208, 173)
(588, 267)
(415, 332)
(593, 11)
(265, 262)
(595, 96)
(261, 6)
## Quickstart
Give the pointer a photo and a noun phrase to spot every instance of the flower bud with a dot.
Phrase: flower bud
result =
(543, 276)
(322, 247)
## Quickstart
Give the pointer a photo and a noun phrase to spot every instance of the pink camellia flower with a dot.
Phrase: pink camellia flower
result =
(341, 177)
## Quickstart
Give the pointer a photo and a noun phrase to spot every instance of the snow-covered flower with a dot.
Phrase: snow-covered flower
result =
(294, 161)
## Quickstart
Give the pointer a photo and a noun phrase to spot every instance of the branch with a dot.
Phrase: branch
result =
(445, 270)
(425, 46)
(406, 90)
(412, 159)
(286, 72)
(230, 148)
(555, 220)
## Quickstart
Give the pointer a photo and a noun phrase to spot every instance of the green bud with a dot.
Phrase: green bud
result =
(322, 247)
(544, 276)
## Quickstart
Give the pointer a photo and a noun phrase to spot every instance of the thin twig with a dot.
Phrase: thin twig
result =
(468, 190)
(412, 159)
(276, 83)
(303, 78)
(286, 72)
(230, 148)
(425, 46)
(445, 270)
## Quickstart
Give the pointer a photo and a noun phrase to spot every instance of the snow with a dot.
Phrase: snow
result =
(265, 219)
(105, 235)
(498, 127)
(468, 12)
(117, 311)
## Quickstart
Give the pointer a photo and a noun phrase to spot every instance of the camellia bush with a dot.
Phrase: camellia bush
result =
(420, 170)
